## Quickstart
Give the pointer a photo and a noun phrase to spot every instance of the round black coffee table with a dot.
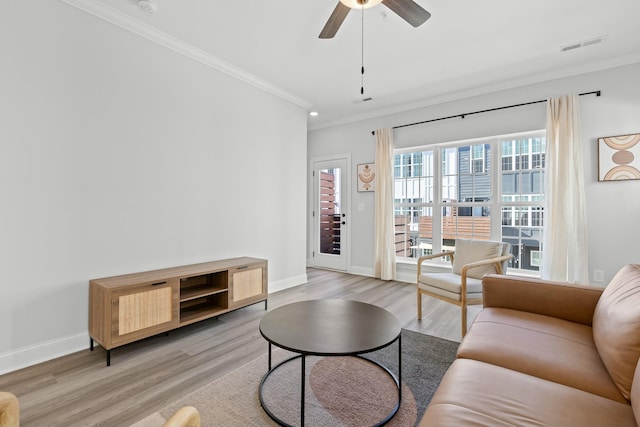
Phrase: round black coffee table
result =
(330, 328)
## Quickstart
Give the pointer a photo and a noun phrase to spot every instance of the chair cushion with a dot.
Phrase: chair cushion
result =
(468, 251)
(449, 285)
(474, 393)
(543, 346)
(616, 326)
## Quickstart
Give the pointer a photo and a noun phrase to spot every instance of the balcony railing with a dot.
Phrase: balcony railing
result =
(412, 244)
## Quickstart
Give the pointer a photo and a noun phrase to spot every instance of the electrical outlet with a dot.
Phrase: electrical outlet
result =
(598, 275)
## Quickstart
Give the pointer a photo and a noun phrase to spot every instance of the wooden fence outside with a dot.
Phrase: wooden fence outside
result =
(329, 219)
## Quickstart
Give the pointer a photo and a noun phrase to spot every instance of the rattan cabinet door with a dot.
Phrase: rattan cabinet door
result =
(144, 310)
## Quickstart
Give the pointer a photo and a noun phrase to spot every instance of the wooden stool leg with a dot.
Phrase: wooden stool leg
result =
(9, 409)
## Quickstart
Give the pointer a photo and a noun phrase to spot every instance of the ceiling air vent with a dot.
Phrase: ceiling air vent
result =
(584, 43)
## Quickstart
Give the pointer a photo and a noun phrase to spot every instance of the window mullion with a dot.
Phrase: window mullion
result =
(437, 200)
(496, 190)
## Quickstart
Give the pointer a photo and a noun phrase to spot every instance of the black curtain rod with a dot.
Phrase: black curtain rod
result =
(462, 116)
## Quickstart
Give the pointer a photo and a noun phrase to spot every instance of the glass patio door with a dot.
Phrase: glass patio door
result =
(330, 214)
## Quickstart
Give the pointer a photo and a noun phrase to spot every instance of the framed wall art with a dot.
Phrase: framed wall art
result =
(366, 177)
(619, 157)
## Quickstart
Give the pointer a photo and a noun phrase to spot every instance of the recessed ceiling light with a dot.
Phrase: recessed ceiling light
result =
(148, 6)
(313, 113)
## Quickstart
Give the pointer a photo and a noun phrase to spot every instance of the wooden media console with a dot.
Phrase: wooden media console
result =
(127, 308)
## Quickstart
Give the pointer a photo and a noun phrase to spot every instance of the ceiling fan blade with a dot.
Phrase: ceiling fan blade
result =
(408, 10)
(335, 20)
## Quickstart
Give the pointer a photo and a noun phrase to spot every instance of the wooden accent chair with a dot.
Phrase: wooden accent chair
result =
(187, 416)
(470, 260)
(9, 410)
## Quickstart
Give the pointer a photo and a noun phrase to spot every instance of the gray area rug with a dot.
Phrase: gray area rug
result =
(340, 391)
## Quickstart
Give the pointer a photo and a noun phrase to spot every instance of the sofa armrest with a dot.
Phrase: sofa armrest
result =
(575, 303)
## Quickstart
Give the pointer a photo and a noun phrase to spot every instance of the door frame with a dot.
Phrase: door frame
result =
(312, 236)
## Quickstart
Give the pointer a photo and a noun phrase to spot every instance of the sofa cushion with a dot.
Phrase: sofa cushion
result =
(468, 251)
(635, 393)
(542, 346)
(616, 326)
(474, 393)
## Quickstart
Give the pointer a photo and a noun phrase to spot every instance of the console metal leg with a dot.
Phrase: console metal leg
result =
(108, 357)
(400, 368)
(91, 343)
(302, 375)
(265, 305)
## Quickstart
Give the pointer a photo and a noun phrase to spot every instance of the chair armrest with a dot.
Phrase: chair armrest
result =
(465, 268)
(9, 410)
(426, 257)
(497, 261)
(187, 416)
(575, 303)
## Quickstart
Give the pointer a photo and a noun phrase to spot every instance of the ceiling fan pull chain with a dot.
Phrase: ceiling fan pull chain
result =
(362, 53)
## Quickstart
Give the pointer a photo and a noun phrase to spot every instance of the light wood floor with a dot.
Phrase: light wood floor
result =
(80, 390)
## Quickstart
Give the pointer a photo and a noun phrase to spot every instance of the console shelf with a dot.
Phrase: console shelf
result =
(127, 308)
(199, 292)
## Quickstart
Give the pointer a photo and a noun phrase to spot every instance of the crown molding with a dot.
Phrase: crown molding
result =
(135, 26)
(620, 61)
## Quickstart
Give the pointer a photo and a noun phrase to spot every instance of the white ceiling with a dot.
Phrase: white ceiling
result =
(468, 47)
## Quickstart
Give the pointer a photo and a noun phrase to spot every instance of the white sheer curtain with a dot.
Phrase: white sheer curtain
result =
(384, 238)
(564, 256)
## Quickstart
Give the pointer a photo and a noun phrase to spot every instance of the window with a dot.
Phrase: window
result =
(414, 191)
(408, 165)
(507, 156)
(433, 209)
(522, 199)
(536, 258)
(477, 159)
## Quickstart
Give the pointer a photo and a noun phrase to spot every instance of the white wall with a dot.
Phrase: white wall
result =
(118, 155)
(613, 207)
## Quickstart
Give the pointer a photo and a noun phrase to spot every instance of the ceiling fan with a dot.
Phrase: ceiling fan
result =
(408, 10)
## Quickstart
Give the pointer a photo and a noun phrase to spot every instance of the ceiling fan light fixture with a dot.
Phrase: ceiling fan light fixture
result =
(360, 4)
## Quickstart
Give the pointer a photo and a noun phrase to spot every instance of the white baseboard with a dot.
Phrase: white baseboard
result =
(31, 355)
(290, 282)
(38, 353)
(361, 271)
(406, 276)
(402, 274)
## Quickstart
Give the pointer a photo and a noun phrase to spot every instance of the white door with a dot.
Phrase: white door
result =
(330, 210)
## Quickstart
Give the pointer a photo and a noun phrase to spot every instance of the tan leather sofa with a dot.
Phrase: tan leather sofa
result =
(547, 354)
